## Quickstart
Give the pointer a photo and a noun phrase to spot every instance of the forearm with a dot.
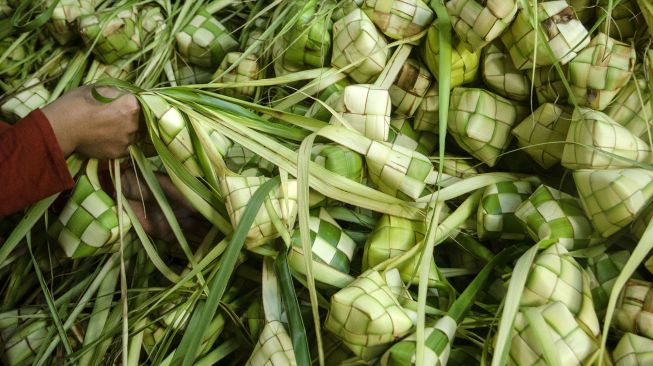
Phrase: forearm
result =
(32, 165)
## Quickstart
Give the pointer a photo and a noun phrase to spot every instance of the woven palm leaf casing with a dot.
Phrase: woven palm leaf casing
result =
(355, 38)
(367, 109)
(599, 71)
(238, 190)
(367, 316)
(633, 350)
(33, 95)
(330, 244)
(392, 237)
(246, 70)
(205, 41)
(501, 76)
(613, 198)
(114, 35)
(399, 19)
(480, 122)
(464, 59)
(340, 160)
(552, 214)
(427, 115)
(634, 311)
(603, 271)
(564, 34)
(572, 343)
(408, 90)
(88, 223)
(62, 24)
(173, 129)
(496, 211)
(308, 43)
(543, 133)
(403, 134)
(548, 84)
(480, 22)
(595, 141)
(631, 107)
(273, 348)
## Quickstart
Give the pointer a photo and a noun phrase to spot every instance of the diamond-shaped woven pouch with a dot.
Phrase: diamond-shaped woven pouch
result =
(205, 41)
(399, 19)
(88, 223)
(599, 71)
(595, 141)
(496, 211)
(634, 310)
(501, 76)
(34, 96)
(409, 88)
(366, 108)
(633, 350)
(552, 214)
(464, 59)
(356, 38)
(480, 22)
(612, 199)
(565, 35)
(543, 133)
(367, 316)
(114, 35)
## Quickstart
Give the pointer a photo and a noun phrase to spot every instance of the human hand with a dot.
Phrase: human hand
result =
(92, 128)
(150, 216)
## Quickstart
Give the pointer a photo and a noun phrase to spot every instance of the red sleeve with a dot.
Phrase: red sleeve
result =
(32, 165)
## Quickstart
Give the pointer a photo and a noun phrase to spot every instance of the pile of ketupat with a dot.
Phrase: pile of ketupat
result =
(472, 180)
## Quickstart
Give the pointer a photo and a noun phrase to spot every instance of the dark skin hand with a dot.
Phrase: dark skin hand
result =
(146, 208)
(99, 130)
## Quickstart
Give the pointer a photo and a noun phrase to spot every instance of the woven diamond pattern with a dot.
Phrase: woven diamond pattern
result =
(634, 311)
(392, 237)
(409, 88)
(330, 244)
(496, 212)
(480, 122)
(367, 109)
(464, 61)
(554, 276)
(603, 271)
(591, 134)
(117, 35)
(633, 350)
(340, 160)
(205, 41)
(572, 344)
(246, 70)
(599, 71)
(480, 22)
(308, 43)
(238, 190)
(367, 314)
(544, 132)
(20, 105)
(427, 116)
(628, 110)
(174, 133)
(399, 19)
(565, 34)
(356, 38)
(403, 134)
(612, 199)
(64, 16)
(548, 84)
(501, 76)
(395, 169)
(273, 348)
(88, 222)
(552, 214)
(244, 162)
